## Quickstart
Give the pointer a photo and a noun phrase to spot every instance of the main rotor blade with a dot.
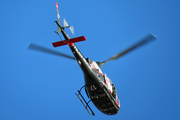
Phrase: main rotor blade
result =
(46, 50)
(144, 41)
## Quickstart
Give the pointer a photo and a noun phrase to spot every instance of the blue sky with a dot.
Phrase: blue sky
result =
(35, 86)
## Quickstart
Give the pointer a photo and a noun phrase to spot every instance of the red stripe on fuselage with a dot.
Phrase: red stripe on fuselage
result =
(117, 103)
(99, 72)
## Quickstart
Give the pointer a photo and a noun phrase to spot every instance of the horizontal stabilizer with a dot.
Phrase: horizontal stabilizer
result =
(73, 40)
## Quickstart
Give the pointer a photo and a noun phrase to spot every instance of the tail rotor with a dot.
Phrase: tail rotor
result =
(66, 25)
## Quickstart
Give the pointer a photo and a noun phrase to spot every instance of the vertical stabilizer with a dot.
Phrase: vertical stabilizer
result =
(58, 16)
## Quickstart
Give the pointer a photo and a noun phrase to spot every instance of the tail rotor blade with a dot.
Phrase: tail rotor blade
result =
(72, 29)
(66, 25)
(33, 46)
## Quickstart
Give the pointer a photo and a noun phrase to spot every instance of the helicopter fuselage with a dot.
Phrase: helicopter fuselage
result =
(99, 87)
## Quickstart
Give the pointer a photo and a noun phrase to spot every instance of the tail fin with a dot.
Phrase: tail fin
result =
(73, 40)
(64, 21)
(58, 16)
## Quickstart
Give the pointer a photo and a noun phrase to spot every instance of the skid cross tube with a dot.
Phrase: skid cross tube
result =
(86, 103)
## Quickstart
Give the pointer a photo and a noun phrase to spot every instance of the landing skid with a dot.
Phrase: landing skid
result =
(85, 103)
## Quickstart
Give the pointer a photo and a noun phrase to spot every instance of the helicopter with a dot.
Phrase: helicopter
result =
(98, 86)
